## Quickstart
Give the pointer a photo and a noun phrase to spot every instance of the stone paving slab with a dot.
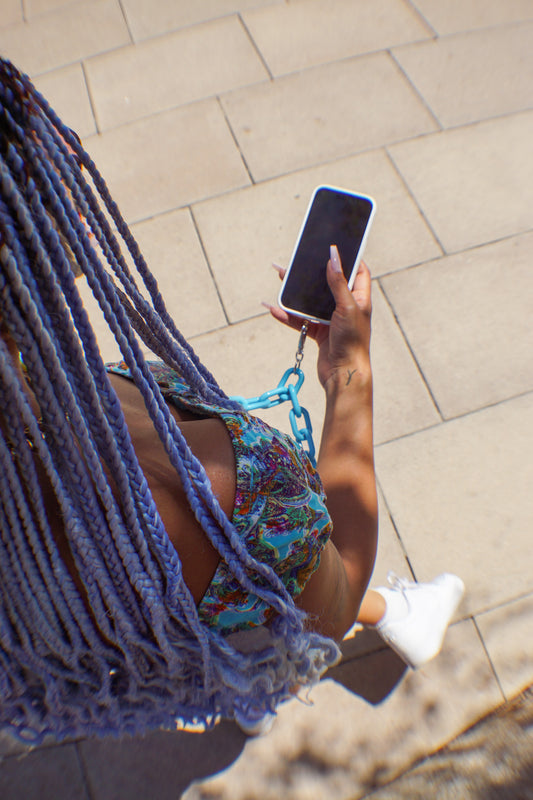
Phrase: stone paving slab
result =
(183, 276)
(457, 15)
(44, 774)
(304, 119)
(469, 315)
(460, 496)
(65, 35)
(507, 632)
(501, 58)
(34, 8)
(156, 75)
(163, 162)
(11, 12)
(474, 184)
(306, 33)
(162, 16)
(161, 765)
(403, 403)
(66, 91)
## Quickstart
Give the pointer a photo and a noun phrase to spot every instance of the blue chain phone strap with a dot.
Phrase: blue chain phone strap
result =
(287, 391)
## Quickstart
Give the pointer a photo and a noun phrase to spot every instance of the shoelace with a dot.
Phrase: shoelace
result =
(397, 583)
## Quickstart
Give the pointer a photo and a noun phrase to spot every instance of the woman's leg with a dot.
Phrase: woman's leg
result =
(372, 609)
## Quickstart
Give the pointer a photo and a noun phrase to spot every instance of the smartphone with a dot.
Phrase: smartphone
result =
(334, 216)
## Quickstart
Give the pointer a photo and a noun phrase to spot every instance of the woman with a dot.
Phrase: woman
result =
(146, 520)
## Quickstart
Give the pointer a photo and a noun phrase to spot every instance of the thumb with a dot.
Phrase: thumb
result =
(337, 281)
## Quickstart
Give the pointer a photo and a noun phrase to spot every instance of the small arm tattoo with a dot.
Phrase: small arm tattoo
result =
(350, 375)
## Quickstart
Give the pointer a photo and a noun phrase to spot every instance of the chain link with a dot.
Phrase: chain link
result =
(274, 397)
(284, 392)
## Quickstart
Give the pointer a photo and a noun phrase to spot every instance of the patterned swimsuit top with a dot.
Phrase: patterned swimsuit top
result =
(279, 513)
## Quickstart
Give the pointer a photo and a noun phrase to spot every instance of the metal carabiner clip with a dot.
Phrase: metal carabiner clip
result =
(301, 342)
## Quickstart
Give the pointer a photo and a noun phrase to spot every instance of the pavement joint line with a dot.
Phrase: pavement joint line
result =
(419, 208)
(411, 351)
(208, 264)
(509, 601)
(90, 96)
(456, 418)
(486, 406)
(84, 772)
(126, 21)
(256, 47)
(424, 21)
(236, 141)
(395, 528)
(454, 253)
(489, 658)
(416, 91)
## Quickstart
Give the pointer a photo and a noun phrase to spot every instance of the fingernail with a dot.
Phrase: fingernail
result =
(335, 259)
(267, 305)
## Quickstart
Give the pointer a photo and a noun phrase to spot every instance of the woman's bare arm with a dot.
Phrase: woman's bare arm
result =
(346, 464)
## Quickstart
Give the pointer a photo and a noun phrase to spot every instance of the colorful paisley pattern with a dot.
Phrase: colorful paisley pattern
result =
(280, 512)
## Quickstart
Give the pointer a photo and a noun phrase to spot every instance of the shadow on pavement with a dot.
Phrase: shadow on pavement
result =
(162, 764)
(169, 762)
(368, 668)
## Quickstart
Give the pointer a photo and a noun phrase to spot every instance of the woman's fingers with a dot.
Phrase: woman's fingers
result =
(345, 300)
(337, 282)
(314, 331)
(282, 316)
(280, 270)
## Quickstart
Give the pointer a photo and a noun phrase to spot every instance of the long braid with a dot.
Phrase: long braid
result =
(16, 410)
(192, 488)
(197, 488)
(79, 307)
(169, 549)
(48, 392)
(123, 650)
(185, 354)
(63, 390)
(89, 553)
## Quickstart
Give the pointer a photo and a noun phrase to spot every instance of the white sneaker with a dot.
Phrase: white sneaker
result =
(418, 615)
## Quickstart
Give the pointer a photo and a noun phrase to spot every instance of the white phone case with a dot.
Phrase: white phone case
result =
(353, 273)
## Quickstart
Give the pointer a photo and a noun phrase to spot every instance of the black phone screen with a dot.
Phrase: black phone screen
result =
(336, 218)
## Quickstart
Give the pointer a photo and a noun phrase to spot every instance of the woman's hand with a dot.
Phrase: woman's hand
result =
(344, 344)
